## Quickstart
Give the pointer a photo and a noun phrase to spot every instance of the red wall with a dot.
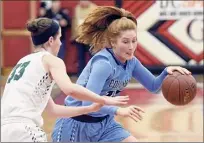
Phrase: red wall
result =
(15, 47)
(15, 16)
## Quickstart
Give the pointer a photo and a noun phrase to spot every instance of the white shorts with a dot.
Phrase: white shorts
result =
(22, 132)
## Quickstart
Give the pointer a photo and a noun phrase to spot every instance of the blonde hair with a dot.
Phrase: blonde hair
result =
(103, 25)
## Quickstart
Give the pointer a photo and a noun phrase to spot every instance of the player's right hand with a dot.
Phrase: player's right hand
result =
(117, 100)
(182, 70)
(133, 112)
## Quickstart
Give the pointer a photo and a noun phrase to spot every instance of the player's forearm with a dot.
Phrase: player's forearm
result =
(82, 93)
(110, 110)
(158, 81)
(66, 111)
(147, 79)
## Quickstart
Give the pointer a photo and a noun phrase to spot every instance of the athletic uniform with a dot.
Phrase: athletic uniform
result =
(25, 97)
(104, 75)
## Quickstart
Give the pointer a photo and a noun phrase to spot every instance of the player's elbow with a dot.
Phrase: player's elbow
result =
(52, 113)
(51, 110)
(71, 89)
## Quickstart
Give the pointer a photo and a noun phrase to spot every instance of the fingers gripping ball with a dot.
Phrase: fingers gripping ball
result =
(179, 89)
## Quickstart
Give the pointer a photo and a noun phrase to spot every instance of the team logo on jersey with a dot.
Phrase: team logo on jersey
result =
(119, 84)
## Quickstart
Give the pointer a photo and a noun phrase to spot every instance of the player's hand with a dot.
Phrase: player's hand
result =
(117, 101)
(95, 107)
(133, 112)
(171, 69)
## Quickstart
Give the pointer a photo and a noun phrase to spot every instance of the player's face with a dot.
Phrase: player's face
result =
(125, 45)
(57, 43)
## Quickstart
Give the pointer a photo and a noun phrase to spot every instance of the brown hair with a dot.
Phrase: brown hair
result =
(39, 25)
(103, 25)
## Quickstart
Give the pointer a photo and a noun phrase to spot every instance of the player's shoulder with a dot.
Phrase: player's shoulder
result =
(52, 60)
(29, 57)
(104, 53)
(134, 60)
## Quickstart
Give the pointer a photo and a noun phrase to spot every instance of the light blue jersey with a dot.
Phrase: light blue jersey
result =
(104, 75)
(119, 75)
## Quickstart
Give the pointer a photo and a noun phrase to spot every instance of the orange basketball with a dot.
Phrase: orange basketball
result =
(179, 89)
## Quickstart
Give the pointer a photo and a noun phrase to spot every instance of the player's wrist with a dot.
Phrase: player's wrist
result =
(166, 71)
(94, 107)
(100, 100)
(89, 108)
(103, 100)
(118, 111)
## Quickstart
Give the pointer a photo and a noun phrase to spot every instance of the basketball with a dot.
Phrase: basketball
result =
(179, 89)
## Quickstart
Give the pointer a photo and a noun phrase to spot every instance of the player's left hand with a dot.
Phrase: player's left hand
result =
(182, 70)
(117, 101)
(133, 112)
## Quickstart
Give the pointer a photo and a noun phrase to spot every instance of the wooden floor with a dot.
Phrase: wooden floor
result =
(162, 122)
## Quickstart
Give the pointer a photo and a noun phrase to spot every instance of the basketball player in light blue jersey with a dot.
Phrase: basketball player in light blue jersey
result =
(112, 34)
